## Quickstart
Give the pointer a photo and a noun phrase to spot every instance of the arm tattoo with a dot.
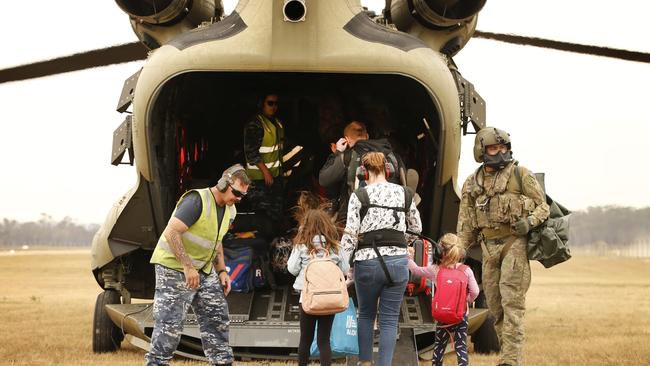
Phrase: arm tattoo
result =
(218, 258)
(176, 244)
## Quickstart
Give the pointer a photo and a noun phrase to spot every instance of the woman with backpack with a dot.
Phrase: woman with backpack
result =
(452, 255)
(378, 216)
(317, 234)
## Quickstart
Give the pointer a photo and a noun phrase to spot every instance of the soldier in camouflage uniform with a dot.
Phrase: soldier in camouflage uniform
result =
(497, 211)
(191, 271)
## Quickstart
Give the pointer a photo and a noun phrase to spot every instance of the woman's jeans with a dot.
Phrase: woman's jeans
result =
(372, 291)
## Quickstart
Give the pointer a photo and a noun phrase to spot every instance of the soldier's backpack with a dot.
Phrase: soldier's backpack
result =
(362, 147)
(449, 303)
(548, 242)
(324, 291)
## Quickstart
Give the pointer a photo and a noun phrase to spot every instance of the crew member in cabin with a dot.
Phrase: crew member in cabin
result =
(263, 147)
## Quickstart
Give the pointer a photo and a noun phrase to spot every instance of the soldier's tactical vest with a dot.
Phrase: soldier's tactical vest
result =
(200, 240)
(498, 201)
(270, 150)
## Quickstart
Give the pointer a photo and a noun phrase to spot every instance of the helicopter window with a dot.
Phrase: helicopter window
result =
(198, 120)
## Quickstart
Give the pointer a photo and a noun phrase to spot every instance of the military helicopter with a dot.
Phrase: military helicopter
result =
(203, 75)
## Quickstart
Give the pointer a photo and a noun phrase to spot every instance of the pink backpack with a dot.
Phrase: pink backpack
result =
(449, 303)
(324, 291)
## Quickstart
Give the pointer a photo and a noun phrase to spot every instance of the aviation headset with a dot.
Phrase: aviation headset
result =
(226, 177)
(363, 174)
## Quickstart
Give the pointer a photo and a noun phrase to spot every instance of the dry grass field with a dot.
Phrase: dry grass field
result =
(588, 311)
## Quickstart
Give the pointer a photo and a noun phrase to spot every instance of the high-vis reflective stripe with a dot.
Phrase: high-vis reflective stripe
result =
(195, 262)
(200, 241)
(268, 165)
(208, 200)
(270, 149)
(267, 149)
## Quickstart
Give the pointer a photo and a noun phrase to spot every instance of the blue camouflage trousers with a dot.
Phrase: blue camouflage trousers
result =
(171, 301)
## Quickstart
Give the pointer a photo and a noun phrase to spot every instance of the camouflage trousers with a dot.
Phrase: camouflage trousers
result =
(171, 302)
(505, 283)
(267, 199)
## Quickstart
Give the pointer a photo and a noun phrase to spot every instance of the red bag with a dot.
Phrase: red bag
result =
(449, 303)
(418, 285)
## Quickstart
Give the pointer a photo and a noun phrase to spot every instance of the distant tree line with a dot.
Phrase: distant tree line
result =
(46, 232)
(609, 226)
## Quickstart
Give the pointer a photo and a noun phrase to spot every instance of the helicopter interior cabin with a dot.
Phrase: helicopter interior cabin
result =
(198, 122)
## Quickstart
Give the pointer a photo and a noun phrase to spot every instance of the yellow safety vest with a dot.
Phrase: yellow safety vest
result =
(201, 239)
(270, 150)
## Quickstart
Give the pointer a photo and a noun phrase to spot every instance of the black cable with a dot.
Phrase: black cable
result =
(129, 314)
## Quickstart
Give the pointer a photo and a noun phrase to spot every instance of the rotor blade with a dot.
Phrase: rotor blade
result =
(79, 61)
(566, 46)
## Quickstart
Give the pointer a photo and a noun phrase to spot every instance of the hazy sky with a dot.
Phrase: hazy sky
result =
(583, 120)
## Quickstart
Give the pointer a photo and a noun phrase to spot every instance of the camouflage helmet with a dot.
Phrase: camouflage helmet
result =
(489, 136)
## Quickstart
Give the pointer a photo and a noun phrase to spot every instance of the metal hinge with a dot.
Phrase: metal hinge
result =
(128, 91)
(472, 105)
(122, 141)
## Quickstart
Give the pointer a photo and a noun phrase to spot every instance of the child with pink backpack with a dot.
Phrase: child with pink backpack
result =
(455, 287)
(317, 237)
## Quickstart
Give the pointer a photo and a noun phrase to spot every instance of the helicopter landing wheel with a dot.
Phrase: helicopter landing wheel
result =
(107, 337)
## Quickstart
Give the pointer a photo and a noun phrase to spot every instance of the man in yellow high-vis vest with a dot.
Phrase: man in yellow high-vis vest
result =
(191, 270)
(263, 146)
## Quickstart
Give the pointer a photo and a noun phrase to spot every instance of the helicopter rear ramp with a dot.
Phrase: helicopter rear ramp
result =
(265, 325)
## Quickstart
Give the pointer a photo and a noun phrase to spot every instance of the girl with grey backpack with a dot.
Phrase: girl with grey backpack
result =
(317, 237)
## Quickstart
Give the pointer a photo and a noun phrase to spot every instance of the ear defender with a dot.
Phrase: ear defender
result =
(362, 172)
(389, 170)
(222, 184)
(226, 177)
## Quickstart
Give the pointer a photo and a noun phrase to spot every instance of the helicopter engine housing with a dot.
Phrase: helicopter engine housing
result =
(157, 22)
(445, 25)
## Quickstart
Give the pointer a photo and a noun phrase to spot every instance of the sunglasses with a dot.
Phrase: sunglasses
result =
(238, 194)
(272, 103)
